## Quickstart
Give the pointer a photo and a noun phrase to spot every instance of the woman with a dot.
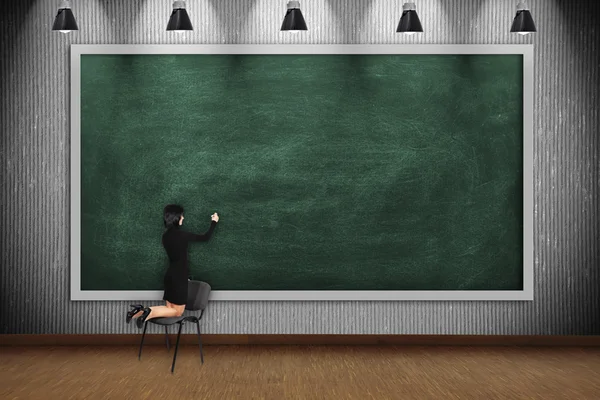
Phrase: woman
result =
(175, 241)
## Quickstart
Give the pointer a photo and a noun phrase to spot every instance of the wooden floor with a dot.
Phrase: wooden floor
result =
(300, 372)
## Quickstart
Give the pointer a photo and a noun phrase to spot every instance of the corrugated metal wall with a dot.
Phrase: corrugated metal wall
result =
(35, 159)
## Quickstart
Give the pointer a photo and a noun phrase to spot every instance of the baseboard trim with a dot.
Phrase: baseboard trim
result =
(214, 339)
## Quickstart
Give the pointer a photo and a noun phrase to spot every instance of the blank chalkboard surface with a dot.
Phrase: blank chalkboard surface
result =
(329, 172)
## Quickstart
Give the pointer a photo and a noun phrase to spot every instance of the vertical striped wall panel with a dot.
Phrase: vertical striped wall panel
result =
(34, 155)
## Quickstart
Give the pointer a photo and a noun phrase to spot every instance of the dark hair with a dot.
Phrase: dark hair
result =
(172, 215)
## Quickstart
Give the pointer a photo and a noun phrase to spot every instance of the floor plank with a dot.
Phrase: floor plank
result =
(300, 372)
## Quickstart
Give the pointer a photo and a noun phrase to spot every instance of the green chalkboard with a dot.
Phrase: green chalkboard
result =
(329, 172)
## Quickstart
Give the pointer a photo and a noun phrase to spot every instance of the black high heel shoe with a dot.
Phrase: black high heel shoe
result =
(142, 318)
(135, 308)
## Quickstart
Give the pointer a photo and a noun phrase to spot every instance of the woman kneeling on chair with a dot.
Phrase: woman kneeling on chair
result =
(175, 241)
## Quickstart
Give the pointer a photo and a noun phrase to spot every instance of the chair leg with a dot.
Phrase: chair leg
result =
(199, 341)
(142, 342)
(167, 337)
(176, 347)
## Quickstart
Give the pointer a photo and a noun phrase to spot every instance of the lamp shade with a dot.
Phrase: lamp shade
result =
(409, 22)
(523, 22)
(65, 20)
(179, 21)
(293, 21)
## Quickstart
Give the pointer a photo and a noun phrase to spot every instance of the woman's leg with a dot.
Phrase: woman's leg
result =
(169, 310)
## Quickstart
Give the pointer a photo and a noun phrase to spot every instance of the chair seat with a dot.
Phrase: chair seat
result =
(172, 320)
(166, 321)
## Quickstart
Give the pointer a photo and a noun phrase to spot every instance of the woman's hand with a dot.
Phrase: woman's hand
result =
(215, 217)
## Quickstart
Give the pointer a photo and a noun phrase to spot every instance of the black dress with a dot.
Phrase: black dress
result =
(175, 241)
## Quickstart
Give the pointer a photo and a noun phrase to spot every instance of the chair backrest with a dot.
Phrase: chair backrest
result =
(197, 295)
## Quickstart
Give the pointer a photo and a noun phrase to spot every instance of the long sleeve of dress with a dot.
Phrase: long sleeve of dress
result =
(202, 237)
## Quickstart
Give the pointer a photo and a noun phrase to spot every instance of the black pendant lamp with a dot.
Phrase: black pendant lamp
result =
(409, 22)
(179, 21)
(523, 22)
(293, 21)
(65, 20)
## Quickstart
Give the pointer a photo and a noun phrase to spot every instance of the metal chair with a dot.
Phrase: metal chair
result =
(198, 293)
